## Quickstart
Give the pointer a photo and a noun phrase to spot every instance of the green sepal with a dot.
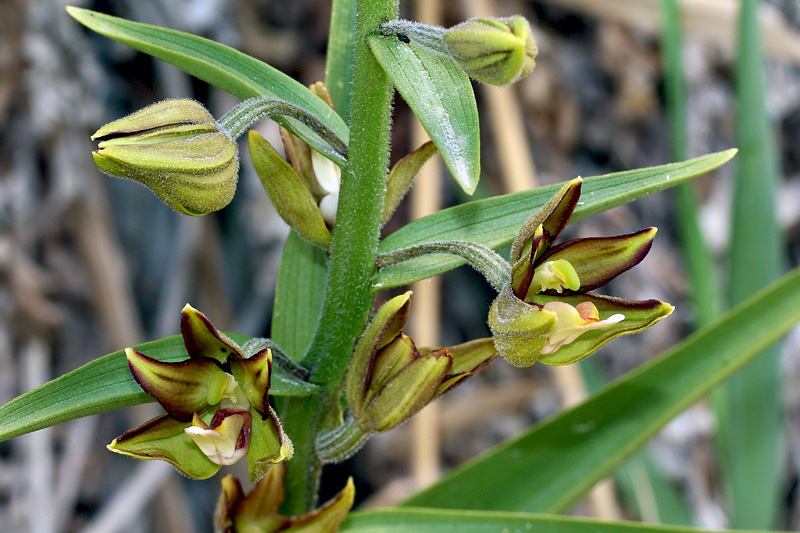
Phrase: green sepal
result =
(408, 391)
(268, 444)
(387, 362)
(385, 326)
(166, 113)
(164, 438)
(520, 330)
(468, 358)
(260, 506)
(182, 388)
(289, 193)
(329, 516)
(253, 376)
(599, 260)
(202, 339)
(539, 232)
(639, 315)
(402, 176)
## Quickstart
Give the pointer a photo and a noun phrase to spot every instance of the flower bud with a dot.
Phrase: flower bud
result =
(175, 148)
(258, 510)
(497, 51)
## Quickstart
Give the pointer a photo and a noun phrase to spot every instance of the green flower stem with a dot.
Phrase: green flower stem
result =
(494, 268)
(279, 357)
(342, 442)
(239, 119)
(429, 36)
(348, 298)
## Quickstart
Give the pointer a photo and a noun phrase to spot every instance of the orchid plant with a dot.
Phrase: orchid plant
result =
(359, 373)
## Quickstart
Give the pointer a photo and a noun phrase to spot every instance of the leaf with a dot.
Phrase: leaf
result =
(442, 521)
(494, 222)
(749, 406)
(222, 66)
(298, 296)
(440, 94)
(103, 385)
(551, 465)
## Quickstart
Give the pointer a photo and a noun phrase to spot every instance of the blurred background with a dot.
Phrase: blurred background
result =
(90, 264)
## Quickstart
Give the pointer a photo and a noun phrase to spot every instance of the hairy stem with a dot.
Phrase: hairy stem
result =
(240, 118)
(348, 297)
(341, 442)
(494, 268)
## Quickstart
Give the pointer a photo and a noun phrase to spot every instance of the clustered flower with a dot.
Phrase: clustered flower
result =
(217, 406)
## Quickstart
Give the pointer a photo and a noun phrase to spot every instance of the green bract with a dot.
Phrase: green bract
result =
(546, 313)
(175, 148)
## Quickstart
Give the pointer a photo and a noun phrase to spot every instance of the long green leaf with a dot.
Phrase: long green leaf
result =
(494, 222)
(298, 296)
(653, 497)
(551, 465)
(222, 66)
(103, 385)
(748, 407)
(440, 94)
(441, 521)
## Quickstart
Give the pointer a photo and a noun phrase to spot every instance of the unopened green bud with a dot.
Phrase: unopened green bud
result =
(175, 148)
(497, 51)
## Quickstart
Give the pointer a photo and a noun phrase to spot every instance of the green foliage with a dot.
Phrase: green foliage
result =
(219, 65)
(494, 222)
(324, 298)
(748, 407)
(441, 96)
(445, 521)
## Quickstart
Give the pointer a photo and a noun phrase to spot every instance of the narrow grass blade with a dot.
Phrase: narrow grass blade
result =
(749, 406)
(494, 222)
(551, 465)
(442, 521)
(704, 293)
(440, 94)
(221, 66)
(106, 384)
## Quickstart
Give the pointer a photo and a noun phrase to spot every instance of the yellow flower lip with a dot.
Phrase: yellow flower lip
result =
(572, 322)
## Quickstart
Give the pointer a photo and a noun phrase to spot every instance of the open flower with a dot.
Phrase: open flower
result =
(257, 511)
(217, 405)
(547, 312)
(389, 380)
